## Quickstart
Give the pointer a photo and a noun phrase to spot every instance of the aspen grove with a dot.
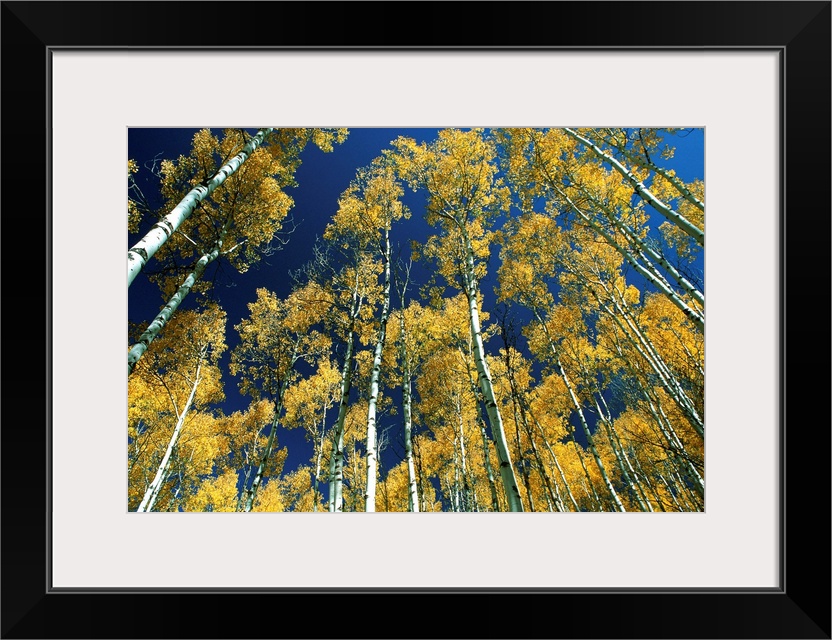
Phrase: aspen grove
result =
(462, 320)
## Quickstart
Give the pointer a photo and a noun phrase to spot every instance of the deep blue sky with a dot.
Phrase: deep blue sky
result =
(322, 178)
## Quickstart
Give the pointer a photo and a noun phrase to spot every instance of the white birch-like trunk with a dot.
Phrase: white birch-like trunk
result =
(372, 454)
(495, 419)
(521, 461)
(672, 491)
(676, 218)
(615, 443)
(633, 476)
(162, 318)
(152, 492)
(139, 254)
(670, 435)
(647, 481)
(463, 458)
(552, 492)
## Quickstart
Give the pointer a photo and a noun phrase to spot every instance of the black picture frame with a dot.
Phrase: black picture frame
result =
(800, 608)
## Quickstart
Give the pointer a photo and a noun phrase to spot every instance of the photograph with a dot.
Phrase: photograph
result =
(381, 319)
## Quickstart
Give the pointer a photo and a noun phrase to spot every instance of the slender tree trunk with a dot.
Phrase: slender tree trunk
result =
(671, 437)
(552, 493)
(152, 492)
(635, 490)
(521, 460)
(139, 254)
(649, 482)
(493, 411)
(372, 462)
(162, 318)
(463, 457)
(492, 485)
(519, 404)
(645, 347)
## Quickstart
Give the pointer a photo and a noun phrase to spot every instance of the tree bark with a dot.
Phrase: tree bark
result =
(495, 419)
(139, 254)
(161, 319)
(372, 461)
(152, 492)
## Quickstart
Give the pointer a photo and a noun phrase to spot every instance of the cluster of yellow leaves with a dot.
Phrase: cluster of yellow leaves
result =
(216, 494)
(675, 237)
(465, 194)
(307, 402)
(370, 205)
(134, 215)
(531, 246)
(273, 337)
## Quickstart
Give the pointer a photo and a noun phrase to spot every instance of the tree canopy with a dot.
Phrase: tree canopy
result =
(453, 320)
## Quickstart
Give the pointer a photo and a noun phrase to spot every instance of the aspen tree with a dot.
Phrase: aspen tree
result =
(459, 173)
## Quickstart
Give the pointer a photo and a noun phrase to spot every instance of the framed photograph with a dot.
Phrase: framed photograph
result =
(750, 561)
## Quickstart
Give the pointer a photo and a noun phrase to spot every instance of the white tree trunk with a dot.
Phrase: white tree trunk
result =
(139, 254)
(372, 454)
(493, 411)
(161, 319)
(557, 466)
(615, 443)
(645, 348)
(319, 445)
(669, 434)
(152, 492)
(680, 221)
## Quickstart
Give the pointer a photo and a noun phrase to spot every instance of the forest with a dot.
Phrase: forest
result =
(477, 320)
